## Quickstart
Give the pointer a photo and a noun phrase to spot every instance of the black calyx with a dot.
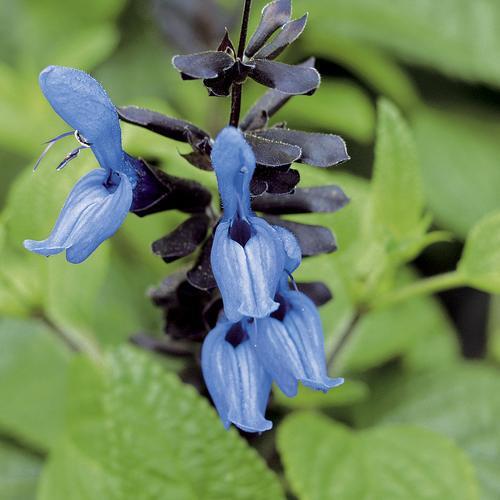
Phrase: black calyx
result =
(222, 68)
(183, 240)
(321, 199)
(157, 191)
(313, 240)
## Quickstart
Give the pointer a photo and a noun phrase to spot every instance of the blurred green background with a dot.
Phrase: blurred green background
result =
(85, 416)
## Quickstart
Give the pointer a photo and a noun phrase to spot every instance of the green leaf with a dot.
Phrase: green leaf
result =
(77, 34)
(33, 369)
(134, 431)
(461, 402)
(73, 295)
(457, 38)
(459, 151)
(19, 472)
(403, 330)
(381, 335)
(397, 194)
(480, 262)
(324, 459)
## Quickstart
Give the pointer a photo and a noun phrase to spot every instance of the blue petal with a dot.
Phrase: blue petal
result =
(291, 349)
(84, 105)
(237, 383)
(234, 164)
(291, 247)
(92, 213)
(248, 275)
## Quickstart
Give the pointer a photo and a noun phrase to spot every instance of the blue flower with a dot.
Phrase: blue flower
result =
(247, 257)
(289, 343)
(94, 210)
(236, 380)
(100, 201)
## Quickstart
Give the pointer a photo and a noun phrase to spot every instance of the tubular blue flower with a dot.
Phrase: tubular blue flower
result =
(94, 210)
(237, 382)
(247, 257)
(289, 344)
(100, 201)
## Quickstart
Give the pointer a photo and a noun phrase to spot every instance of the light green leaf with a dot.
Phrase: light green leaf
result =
(402, 330)
(397, 194)
(33, 369)
(19, 472)
(459, 38)
(324, 459)
(461, 402)
(73, 293)
(135, 431)
(480, 262)
(459, 152)
(381, 335)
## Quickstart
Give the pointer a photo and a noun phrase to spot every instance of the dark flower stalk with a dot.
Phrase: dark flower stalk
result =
(237, 87)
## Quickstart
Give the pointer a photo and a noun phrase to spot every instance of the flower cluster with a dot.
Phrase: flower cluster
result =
(257, 325)
(267, 332)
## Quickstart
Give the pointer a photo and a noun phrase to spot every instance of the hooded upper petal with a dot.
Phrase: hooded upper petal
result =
(93, 212)
(234, 164)
(248, 274)
(290, 345)
(84, 105)
(237, 383)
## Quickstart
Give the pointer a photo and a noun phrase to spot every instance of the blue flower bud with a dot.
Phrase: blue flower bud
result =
(94, 210)
(289, 344)
(237, 383)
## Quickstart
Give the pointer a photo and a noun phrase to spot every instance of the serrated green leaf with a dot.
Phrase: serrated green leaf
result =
(458, 38)
(324, 459)
(461, 402)
(19, 472)
(134, 431)
(459, 151)
(480, 262)
(397, 195)
(33, 369)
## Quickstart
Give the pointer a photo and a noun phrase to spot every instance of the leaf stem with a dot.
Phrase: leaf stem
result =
(344, 337)
(426, 286)
(236, 89)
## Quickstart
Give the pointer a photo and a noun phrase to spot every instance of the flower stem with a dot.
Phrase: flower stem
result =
(237, 87)
(244, 28)
(426, 286)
